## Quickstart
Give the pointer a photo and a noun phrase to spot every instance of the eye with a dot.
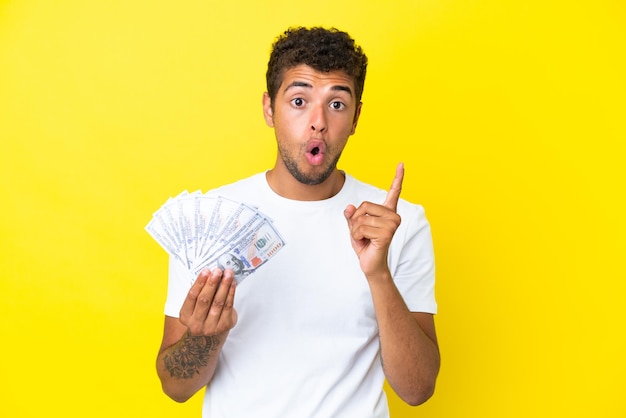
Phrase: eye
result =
(337, 105)
(298, 102)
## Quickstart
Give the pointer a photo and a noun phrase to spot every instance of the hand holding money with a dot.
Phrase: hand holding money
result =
(208, 308)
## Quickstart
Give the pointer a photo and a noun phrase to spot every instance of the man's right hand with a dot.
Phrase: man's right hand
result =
(191, 343)
(208, 308)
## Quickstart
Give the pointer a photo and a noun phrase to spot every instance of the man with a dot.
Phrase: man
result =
(349, 299)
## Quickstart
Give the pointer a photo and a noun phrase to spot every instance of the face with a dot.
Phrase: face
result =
(228, 261)
(313, 115)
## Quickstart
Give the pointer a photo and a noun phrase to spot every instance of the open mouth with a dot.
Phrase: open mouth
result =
(315, 151)
(316, 146)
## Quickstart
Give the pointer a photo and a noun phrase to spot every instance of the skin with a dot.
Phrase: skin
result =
(312, 111)
(206, 317)
(408, 340)
(310, 107)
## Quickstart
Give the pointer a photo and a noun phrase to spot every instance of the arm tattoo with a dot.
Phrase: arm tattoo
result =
(190, 355)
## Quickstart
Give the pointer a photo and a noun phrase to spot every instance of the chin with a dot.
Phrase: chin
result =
(314, 178)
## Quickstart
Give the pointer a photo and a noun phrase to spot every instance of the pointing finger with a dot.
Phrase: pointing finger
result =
(391, 201)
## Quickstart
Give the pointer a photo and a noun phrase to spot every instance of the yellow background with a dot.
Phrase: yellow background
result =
(509, 116)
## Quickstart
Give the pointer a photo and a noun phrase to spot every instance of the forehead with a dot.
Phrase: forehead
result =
(316, 79)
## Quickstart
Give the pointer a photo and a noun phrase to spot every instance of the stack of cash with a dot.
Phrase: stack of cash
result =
(211, 231)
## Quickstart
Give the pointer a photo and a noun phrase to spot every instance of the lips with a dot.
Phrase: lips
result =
(315, 150)
(315, 146)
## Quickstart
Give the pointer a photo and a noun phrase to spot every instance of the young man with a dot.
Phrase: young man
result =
(346, 303)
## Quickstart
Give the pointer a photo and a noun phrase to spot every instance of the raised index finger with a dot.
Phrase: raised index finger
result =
(391, 201)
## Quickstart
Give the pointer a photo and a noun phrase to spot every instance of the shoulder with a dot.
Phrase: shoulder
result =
(241, 187)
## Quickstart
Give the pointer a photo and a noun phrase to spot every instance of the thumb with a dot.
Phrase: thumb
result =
(349, 211)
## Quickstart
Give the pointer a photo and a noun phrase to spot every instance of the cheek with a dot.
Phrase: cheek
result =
(287, 128)
(344, 127)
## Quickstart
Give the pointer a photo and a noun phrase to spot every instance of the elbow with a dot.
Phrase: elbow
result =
(419, 395)
(176, 394)
(177, 390)
(180, 398)
(423, 387)
(417, 391)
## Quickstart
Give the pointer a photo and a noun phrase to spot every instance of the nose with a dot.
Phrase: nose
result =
(318, 118)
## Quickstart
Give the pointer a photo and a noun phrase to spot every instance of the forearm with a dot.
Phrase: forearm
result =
(188, 365)
(409, 349)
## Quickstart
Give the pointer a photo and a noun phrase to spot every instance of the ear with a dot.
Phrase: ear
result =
(356, 118)
(268, 114)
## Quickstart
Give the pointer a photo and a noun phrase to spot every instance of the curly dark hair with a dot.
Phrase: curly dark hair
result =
(322, 49)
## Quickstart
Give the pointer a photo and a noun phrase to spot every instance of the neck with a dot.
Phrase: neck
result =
(285, 185)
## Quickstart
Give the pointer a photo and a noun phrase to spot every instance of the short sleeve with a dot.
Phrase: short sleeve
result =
(412, 260)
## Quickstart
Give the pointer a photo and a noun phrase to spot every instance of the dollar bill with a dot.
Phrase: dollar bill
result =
(202, 231)
(249, 252)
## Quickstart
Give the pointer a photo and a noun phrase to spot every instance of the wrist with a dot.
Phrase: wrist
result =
(381, 276)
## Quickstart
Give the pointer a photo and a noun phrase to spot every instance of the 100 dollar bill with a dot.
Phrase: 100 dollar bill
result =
(246, 254)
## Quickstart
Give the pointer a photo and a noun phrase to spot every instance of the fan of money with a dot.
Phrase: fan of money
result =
(202, 230)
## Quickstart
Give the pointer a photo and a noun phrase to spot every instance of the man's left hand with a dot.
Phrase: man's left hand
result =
(372, 227)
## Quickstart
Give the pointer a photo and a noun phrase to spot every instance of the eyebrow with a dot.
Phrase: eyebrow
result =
(338, 87)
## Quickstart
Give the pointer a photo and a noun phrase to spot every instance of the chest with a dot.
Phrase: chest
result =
(313, 285)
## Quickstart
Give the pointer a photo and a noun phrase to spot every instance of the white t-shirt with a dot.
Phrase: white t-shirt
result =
(306, 341)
